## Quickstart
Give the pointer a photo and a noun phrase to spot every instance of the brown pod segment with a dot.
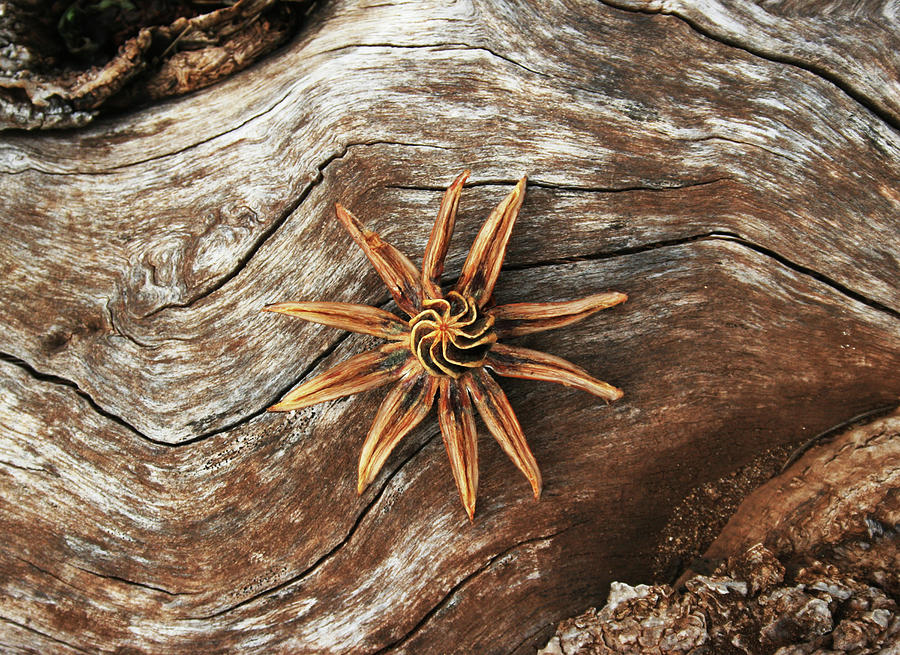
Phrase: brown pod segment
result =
(451, 335)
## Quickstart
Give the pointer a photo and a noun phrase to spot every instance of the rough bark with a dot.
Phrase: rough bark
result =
(810, 563)
(160, 49)
(747, 206)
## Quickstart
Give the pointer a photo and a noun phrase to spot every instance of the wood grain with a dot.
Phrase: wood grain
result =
(748, 207)
(852, 46)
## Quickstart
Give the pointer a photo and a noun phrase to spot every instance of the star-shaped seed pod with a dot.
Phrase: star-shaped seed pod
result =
(447, 348)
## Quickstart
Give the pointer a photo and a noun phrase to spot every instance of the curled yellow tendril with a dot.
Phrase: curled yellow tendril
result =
(451, 335)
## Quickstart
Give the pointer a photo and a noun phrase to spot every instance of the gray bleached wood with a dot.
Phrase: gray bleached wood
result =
(185, 537)
(851, 45)
(129, 281)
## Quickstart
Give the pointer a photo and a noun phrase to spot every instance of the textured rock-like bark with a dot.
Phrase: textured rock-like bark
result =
(809, 563)
(839, 502)
(746, 206)
(749, 605)
(43, 85)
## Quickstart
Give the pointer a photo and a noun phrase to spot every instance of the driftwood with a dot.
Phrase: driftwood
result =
(742, 190)
(809, 563)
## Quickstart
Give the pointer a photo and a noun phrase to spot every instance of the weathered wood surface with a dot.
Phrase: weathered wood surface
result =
(838, 502)
(748, 207)
(809, 563)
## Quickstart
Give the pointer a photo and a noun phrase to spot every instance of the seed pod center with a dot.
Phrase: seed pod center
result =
(451, 335)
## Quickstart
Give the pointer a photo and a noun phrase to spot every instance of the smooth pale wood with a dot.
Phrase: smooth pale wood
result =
(851, 45)
(746, 206)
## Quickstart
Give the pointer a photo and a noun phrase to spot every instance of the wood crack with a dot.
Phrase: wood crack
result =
(721, 235)
(627, 160)
(717, 235)
(440, 47)
(266, 234)
(810, 67)
(305, 573)
(134, 583)
(57, 380)
(277, 396)
(61, 381)
(836, 430)
(810, 272)
(620, 252)
(201, 142)
(172, 153)
(29, 469)
(47, 636)
(120, 330)
(45, 571)
(537, 183)
(340, 339)
(747, 144)
(532, 635)
(463, 582)
(434, 46)
(513, 62)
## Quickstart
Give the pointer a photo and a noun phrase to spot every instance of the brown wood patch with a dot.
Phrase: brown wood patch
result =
(148, 503)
